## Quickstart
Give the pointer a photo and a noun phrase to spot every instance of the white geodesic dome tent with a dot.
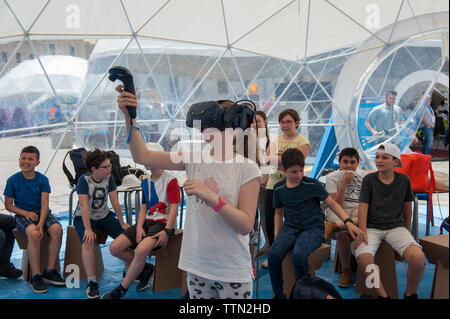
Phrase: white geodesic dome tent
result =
(331, 60)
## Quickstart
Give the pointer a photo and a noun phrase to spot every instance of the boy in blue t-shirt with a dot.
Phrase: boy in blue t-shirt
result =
(27, 196)
(297, 199)
(92, 212)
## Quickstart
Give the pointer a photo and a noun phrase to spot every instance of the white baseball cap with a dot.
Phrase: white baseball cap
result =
(390, 149)
(129, 182)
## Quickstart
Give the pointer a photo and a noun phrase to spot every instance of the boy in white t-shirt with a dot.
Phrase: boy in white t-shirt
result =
(344, 186)
(157, 217)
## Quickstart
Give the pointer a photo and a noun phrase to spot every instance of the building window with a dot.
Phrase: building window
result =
(31, 56)
(18, 58)
(4, 57)
(52, 49)
(71, 50)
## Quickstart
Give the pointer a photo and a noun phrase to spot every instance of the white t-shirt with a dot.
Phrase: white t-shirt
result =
(210, 248)
(351, 198)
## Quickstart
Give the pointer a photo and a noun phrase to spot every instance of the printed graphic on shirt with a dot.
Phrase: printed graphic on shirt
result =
(353, 190)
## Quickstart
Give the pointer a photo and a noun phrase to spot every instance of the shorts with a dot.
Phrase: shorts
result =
(150, 227)
(22, 223)
(399, 238)
(109, 225)
(352, 212)
(202, 288)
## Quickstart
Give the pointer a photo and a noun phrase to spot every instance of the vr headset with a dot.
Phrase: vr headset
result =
(212, 114)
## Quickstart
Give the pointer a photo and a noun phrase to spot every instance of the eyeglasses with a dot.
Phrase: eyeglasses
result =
(106, 166)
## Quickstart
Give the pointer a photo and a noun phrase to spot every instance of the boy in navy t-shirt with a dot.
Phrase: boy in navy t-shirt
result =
(93, 190)
(297, 199)
(27, 196)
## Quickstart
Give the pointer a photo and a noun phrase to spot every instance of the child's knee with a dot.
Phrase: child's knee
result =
(415, 257)
(33, 235)
(115, 248)
(87, 246)
(55, 231)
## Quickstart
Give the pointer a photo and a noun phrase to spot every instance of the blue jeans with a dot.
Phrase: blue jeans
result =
(427, 139)
(302, 243)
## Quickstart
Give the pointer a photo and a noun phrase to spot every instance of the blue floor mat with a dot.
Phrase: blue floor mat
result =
(112, 276)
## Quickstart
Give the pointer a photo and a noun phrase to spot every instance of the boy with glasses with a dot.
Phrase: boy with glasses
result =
(92, 212)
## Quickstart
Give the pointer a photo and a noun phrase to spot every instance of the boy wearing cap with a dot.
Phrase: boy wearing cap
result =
(156, 221)
(384, 213)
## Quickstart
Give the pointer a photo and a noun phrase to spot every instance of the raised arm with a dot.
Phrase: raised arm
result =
(141, 154)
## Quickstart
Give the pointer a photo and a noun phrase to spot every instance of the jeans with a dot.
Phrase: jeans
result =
(302, 243)
(269, 213)
(7, 224)
(427, 139)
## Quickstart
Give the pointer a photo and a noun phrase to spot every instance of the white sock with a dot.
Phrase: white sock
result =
(93, 279)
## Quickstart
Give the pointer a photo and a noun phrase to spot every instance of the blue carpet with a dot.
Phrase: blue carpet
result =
(112, 275)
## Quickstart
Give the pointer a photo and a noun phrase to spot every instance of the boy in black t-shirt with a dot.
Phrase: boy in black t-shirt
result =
(297, 199)
(384, 213)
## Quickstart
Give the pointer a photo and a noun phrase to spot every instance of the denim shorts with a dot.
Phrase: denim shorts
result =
(109, 225)
(22, 223)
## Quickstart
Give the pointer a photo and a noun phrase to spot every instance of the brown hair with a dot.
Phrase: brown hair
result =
(31, 149)
(293, 113)
(95, 158)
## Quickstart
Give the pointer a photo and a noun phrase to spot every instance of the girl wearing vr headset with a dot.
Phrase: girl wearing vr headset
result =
(221, 205)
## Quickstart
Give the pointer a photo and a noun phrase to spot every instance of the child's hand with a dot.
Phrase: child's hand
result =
(40, 230)
(347, 177)
(124, 226)
(360, 239)
(140, 233)
(32, 216)
(354, 230)
(161, 238)
(125, 99)
(89, 236)
(199, 189)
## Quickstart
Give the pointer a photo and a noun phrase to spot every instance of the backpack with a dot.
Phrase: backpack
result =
(309, 287)
(116, 169)
(76, 155)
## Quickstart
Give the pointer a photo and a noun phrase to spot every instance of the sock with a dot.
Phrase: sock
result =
(93, 279)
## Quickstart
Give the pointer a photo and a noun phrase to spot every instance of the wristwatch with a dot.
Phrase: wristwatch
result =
(348, 220)
(170, 231)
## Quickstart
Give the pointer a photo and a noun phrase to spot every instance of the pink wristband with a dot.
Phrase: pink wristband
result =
(222, 201)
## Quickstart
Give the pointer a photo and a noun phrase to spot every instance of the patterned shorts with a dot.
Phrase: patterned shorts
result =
(201, 288)
(22, 223)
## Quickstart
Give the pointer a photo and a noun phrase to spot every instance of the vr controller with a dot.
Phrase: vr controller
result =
(124, 75)
(212, 114)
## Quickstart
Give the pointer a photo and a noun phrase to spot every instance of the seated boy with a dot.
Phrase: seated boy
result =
(384, 213)
(7, 269)
(297, 199)
(92, 212)
(27, 196)
(344, 186)
(157, 217)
